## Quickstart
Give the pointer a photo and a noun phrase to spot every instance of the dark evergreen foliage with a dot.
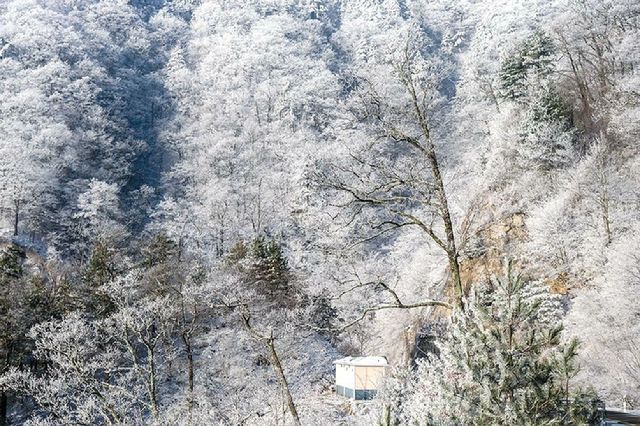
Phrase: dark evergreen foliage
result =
(526, 66)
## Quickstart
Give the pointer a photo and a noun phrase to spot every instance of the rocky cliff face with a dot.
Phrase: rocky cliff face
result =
(489, 247)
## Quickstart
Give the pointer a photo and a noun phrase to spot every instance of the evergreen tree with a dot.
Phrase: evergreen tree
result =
(527, 66)
(104, 265)
(161, 250)
(549, 107)
(268, 266)
(502, 362)
(513, 77)
(546, 136)
(263, 264)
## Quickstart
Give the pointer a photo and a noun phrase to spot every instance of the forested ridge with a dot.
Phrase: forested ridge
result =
(204, 203)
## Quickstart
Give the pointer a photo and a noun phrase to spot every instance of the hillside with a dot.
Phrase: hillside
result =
(204, 203)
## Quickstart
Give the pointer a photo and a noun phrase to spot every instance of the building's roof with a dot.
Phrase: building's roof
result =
(368, 361)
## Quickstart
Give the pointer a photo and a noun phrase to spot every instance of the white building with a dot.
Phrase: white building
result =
(360, 377)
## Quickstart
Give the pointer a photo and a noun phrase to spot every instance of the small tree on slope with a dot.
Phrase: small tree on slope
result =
(501, 363)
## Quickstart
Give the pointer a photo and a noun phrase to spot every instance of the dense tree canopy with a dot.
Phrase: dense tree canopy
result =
(203, 203)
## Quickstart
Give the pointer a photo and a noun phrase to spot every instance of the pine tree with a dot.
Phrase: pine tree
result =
(502, 362)
(513, 78)
(102, 267)
(526, 67)
(159, 251)
(263, 265)
(268, 267)
(549, 107)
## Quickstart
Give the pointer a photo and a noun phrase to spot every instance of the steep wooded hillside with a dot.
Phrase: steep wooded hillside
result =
(206, 202)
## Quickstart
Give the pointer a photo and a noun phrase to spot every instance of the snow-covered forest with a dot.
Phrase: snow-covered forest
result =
(204, 203)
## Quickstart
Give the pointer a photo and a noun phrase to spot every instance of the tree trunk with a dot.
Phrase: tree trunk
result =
(454, 265)
(430, 151)
(16, 218)
(604, 203)
(190, 361)
(187, 344)
(605, 219)
(386, 416)
(452, 251)
(151, 384)
(277, 366)
(445, 214)
(268, 342)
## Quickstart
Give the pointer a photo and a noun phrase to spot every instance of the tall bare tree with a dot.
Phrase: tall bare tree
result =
(395, 180)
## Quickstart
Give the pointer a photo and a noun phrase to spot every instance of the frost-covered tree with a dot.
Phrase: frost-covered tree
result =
(248, 119)
(106, 369)
(502, 361)
(173, 167)
(603, 315)
(80, 104)
(393, 178)
(99, 215)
